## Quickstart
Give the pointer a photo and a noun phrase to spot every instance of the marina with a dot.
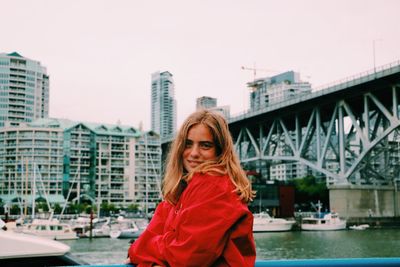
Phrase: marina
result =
(375, 247)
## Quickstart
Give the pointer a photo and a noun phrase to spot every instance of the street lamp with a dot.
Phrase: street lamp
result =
(373, 52)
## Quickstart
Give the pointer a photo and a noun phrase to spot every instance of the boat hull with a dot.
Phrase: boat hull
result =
(263, 222)
(323, 227)
(50, 229)
(282, 227)
(125, 233)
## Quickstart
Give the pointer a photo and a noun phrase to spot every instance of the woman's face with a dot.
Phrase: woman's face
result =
(199, 147)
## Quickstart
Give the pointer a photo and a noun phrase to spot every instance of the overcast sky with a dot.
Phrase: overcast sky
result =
(100, 54)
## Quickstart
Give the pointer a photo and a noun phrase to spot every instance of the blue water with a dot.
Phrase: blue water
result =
(285, 245)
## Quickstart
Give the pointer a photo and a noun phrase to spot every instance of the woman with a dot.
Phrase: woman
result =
(204, 219)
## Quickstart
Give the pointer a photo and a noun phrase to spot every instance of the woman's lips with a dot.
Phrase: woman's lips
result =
(191, 162)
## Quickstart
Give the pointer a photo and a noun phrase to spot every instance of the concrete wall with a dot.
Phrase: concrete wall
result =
(355, 201)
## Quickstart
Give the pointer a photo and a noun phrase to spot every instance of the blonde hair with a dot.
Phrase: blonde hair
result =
(227, 162)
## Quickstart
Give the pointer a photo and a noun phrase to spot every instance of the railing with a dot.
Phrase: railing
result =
(353, 262)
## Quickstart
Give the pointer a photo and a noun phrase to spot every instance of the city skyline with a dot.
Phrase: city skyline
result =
(96, 47)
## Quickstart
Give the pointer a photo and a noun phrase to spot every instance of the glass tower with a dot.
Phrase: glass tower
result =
(163, 104)
(24, 90)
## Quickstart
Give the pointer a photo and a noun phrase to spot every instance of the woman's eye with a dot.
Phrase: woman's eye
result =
(207, 145)
(188, 144)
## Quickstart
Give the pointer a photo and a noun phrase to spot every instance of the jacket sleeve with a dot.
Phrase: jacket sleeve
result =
(155, 227)
(200, 230)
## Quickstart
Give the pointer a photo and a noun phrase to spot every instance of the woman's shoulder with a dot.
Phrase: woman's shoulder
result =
(206, 186)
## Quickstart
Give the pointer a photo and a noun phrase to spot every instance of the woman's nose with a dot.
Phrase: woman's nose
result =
(195, 151)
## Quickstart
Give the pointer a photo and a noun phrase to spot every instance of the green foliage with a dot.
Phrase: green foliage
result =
(57, 208)
(77, 208)
(88, 209)
(14, 209)
(308, 189)
(107, 208)
(133, 208)
(41, 206)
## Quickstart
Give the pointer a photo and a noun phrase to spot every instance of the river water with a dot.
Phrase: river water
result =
(284, 245)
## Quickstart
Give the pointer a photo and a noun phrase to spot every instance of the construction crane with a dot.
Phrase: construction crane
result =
(254, 69)
(253, 86)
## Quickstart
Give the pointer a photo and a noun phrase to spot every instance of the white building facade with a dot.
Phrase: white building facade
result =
(71, 161)
(24, 89)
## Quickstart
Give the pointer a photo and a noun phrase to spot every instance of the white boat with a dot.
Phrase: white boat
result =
(103, 231)
(263, 222)
(359, 227)
(323, 221)
(18, 249)
(50, 228)
(125, 228)
(100, 229)
(80, 225)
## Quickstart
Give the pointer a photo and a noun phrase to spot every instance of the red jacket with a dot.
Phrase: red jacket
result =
(209, 226)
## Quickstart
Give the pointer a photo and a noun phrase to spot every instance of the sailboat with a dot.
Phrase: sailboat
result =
(49, 228)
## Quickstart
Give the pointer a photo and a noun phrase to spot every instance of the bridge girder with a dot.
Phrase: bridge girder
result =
(351, 140)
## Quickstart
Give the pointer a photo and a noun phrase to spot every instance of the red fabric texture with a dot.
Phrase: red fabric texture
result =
(209, 226)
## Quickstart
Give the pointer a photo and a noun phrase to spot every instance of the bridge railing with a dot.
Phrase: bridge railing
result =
(378, 70)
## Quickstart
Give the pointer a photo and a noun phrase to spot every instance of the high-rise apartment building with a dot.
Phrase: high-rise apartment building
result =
(281, 87)
(24, 89)
(163, 104)
(210, 103)
(75, 161)
(206, 102)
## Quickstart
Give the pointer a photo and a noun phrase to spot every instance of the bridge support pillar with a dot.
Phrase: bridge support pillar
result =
(352, 201)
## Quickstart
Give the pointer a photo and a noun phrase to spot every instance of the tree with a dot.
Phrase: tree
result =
(41, 206)
(77, 208)
(107, 208)
(15, 209)
(308, 189)
(133, 208)
(57, 208)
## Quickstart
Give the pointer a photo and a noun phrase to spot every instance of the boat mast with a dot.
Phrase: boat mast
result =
(99, 180)
(35, 168)
(34, 191)
(147, 171)
(26, 189)
(70, 190)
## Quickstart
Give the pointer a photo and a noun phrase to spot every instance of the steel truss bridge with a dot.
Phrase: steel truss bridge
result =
(347, 132)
